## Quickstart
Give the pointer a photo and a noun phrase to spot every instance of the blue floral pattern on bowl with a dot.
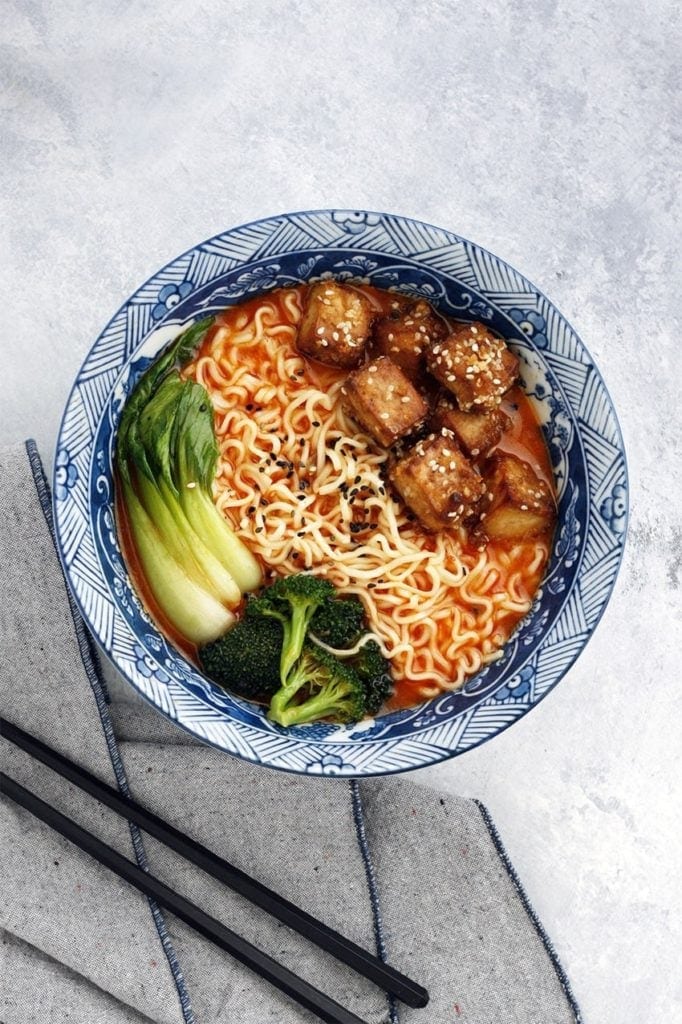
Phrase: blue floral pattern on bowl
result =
(464, 282)
(615, 509)
(531, 323)
(65, 475)
(169, 296)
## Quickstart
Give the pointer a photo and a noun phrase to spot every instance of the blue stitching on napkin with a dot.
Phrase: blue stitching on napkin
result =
(91, 664)
(359, 819)
(527, 906)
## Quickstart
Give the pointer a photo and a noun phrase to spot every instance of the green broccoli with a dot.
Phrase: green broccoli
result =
(338, 622)
(329, 688)
(291, 600)
(375, 673)
(246, 659)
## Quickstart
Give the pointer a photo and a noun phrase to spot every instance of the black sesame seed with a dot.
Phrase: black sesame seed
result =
(316, 423)
(300, 497)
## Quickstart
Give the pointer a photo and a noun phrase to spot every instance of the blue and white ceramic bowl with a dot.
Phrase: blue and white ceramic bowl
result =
(463, 281)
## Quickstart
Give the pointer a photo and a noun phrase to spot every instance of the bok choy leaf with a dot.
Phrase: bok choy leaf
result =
(166, 456)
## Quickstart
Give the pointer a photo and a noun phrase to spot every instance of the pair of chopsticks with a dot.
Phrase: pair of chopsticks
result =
(311, 998)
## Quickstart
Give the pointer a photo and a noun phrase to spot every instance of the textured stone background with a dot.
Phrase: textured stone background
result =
(545, 130)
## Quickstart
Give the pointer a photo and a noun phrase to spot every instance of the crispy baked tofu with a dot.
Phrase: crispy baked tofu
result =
(381, 399)
(405, 335)
(335, 325)
(438, 483)
(521, 504)
(477, 432)
(474, 365)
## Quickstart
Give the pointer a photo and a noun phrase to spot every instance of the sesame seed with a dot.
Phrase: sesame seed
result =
(405, 399)
(384, 415)
(324, 343)
(391, 338)
(335, 335)
(373, 369)
(320, 330)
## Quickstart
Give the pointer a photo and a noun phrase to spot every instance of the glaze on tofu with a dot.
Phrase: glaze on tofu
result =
(335, 325)
(438, 483)
(476, 432)
(405, 335)
(381, 399)
(474, 365)
(522, 505)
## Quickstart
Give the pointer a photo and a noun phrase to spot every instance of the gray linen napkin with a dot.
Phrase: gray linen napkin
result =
(422, 878)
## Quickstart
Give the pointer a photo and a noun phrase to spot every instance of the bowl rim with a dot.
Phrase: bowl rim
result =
(436, 754)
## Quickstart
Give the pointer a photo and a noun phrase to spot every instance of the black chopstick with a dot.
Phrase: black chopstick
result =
(249, 955)
(348, 952)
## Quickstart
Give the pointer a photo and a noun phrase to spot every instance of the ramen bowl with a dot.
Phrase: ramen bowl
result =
(463, 281)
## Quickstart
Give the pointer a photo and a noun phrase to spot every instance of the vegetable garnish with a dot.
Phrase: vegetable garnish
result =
(166, 456)
(272, 655)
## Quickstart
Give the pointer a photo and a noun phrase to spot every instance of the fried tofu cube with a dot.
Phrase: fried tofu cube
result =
(476, 432)
(474, 365)
(521, 504)
(438, 483)
(405, 335)
(335, 325)
(383, 401)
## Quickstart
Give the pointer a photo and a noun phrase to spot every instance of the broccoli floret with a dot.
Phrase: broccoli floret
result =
(292, 600)
(339, 622)
(329, 688)
(375, 673)
(246, 659)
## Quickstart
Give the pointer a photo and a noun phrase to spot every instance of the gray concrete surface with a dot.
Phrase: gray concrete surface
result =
(545, 130)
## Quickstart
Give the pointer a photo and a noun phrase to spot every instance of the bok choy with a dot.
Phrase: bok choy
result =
(166, 455)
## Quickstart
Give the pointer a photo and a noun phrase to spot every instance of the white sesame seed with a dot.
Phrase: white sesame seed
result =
(373, 369)
(384, 415)
(320, 330)
(405, 399)
(391, 337)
